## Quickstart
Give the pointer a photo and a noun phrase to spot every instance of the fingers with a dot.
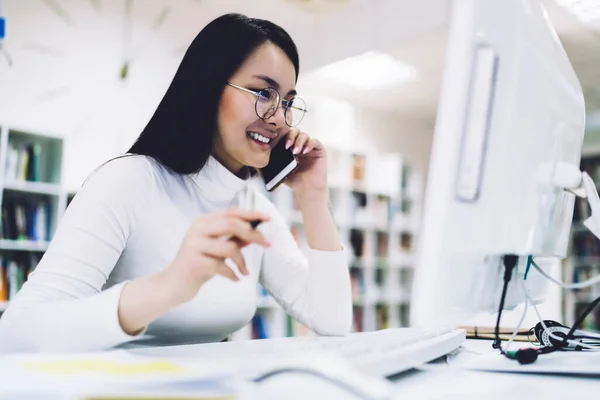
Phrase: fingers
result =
(222, 249)
(230, 225)
(241, 265)
(218, 267)
(291, 137)
(240, 230)
(244, 214)
(227, 272)
(299, 141)
(311, 145)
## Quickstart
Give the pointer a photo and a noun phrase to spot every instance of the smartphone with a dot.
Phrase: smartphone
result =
(281, 164)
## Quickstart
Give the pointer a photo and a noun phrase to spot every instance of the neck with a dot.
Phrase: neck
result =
(230, 163)
(217, 183)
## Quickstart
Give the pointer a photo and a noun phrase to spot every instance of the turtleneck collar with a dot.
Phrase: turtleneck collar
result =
(217, 183)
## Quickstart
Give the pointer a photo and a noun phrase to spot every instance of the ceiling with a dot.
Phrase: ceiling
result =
(68, 53)
(47, 35)
(425, 49)
(582, 44)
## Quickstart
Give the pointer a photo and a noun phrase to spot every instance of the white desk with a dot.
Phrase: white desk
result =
(448, 382)
(435, 381)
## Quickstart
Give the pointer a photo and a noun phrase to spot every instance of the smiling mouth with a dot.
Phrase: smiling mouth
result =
(258, 137)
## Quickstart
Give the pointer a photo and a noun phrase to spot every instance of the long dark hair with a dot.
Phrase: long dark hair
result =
(180, 134)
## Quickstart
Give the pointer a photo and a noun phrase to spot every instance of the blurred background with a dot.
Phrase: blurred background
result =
(80, 78)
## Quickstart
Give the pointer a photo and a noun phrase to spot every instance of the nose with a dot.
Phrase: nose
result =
(277, 119)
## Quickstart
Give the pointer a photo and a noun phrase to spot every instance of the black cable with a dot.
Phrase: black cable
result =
(579, 320)
(510, 262)
(564, 343)
(524, 356)
(318, 374)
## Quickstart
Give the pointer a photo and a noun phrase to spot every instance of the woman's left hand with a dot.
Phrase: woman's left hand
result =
(311, 175)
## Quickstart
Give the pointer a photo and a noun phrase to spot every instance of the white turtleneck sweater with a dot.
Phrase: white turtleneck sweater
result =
(128, 221)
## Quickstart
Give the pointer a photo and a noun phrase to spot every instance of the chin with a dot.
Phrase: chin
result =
(257, 162)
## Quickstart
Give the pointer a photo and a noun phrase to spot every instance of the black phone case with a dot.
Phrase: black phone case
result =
(290, 173)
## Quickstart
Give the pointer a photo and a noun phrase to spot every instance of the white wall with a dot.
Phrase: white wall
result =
(64, 77)
(343, 125)
(388, 131)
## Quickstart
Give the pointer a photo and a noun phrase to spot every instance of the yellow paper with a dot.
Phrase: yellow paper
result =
(161, 398)
(135, 397)
(103, 367)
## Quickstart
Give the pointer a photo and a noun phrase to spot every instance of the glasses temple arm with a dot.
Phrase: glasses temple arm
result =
(244, 89)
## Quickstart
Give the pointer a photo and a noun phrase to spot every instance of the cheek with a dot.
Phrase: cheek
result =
(235, 114)
(227, 108)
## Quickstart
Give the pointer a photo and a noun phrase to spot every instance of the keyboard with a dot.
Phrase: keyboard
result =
(380, 353)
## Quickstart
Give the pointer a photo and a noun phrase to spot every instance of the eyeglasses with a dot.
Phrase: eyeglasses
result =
(268, 101)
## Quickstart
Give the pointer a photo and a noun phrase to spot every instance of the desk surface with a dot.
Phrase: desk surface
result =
(448, 381)
(441, 380)
(438, 380)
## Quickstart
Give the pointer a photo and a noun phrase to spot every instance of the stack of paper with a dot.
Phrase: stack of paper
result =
(114, 375)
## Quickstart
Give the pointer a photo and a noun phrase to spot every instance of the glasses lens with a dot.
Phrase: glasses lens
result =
(267, 102)
(295, 111)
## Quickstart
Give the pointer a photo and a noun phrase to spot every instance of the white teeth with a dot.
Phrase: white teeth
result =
(258, 137)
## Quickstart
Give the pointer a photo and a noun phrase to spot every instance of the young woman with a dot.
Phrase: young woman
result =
(144, 253)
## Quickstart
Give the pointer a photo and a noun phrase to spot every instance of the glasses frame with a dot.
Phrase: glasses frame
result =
(280, 102)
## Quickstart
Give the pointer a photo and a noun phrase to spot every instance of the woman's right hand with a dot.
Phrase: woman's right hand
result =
(208, 242)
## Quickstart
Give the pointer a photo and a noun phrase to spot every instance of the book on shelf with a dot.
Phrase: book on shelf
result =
(406, 241)
(591, 165)
(264, 299)
(261, 291)
(14, 271)
(581, 211)
(405, 278)
(403, 314)
(357, 283)
(360, 209)
(357, 319)
(584, 254)
(584, 273)
(260, 329)
(382, 316)
(382, 210)
(357, 241)
(25, 218)
(23, 162)
(380, 279)
(585, 296)
(358, 169)
(383, 241)
(586, 245)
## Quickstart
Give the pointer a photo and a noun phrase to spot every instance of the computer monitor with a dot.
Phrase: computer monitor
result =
(511, 108)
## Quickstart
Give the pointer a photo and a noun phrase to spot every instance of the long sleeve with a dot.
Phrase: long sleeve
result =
(313, 286)
(62, 307)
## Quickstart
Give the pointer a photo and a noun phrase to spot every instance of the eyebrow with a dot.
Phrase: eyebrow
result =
(273, 83)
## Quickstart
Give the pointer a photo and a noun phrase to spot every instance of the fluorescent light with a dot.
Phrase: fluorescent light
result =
(587, 11)
(368, 71)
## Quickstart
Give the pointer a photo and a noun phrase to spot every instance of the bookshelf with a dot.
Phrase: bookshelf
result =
(376, 201)
(584, 257)
(32, 202)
